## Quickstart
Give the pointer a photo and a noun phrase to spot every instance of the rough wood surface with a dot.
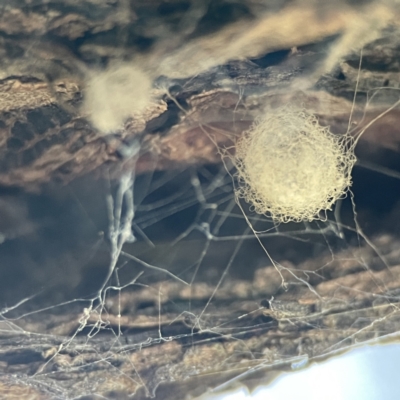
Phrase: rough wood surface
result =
(216, 67)
(169, 354)
(49, 47)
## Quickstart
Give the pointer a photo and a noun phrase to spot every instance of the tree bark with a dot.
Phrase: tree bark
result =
(216, 66)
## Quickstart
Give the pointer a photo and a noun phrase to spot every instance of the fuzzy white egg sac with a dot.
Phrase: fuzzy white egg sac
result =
(114, 95)
(291, 168)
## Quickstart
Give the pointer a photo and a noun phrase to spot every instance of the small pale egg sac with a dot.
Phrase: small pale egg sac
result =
(291, 168)
(114, 95)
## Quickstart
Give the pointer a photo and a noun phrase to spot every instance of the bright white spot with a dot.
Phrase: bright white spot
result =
(369, 373)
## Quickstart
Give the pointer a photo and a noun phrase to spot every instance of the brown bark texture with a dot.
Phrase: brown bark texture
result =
(247, 305)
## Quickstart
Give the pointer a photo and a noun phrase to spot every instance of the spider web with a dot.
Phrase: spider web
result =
(187, 275)
(164, 277)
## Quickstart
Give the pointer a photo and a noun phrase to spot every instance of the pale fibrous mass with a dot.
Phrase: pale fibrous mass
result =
(115, 94)
(292, 168)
